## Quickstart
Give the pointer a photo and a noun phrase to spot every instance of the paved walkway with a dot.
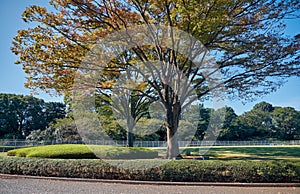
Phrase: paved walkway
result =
(36, 186)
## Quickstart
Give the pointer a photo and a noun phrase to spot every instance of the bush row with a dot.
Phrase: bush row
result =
(189, 170)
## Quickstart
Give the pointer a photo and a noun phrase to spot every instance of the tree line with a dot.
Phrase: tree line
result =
(27, 117)
(20, 115)
(263, 122)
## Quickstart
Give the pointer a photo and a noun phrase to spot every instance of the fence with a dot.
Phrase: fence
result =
(9, 144)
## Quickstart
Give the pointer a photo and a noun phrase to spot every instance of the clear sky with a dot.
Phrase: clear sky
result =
(12, 77)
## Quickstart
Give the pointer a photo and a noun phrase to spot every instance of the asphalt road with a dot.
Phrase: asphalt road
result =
(36, 186)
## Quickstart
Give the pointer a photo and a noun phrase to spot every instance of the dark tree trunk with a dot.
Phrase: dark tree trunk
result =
(130, 138)
(130, 135)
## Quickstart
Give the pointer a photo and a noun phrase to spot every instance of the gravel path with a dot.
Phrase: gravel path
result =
(34, 186)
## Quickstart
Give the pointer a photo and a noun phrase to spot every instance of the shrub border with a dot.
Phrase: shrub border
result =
(173, 171)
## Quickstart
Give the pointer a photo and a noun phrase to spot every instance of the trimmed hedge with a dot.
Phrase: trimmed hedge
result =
(189, 170)
(81, 151)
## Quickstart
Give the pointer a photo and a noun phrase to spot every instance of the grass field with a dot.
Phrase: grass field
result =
(245, 152)
(250, 152)
(3, 154)
(214, 153)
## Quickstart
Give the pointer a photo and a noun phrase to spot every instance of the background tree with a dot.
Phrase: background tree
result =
(54, 110)
(204, 117)
(286, 121)
(230, 127)
(258, 121)
(252, 52)
(47, 134)
(129, 107)
(63, 130)
(21, 114)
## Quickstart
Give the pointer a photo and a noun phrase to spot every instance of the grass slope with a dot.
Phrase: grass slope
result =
(79, 151)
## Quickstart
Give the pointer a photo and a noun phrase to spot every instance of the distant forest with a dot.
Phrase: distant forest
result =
(27, 117)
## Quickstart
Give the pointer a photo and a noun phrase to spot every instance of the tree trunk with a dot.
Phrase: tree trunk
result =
(173, 113)
(172, 144)
(130, 138)
(130, 135)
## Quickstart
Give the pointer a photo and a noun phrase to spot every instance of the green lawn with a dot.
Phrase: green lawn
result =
(2, 154)
(215, 153)
(81, 151)
(249, 152)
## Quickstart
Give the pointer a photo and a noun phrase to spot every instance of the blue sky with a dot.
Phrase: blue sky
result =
(12, 77)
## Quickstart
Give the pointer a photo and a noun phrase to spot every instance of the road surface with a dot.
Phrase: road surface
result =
(36, 186)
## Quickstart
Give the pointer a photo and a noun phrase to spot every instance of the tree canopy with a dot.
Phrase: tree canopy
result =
(246, 34)
(19, 114)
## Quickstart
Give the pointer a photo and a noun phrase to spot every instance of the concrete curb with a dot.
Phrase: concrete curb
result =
(10, 176)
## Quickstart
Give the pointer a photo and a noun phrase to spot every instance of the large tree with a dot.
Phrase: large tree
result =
(257, 122)
(286, 121)
(230, 127)
(267, 122)
(19, 114)
(252, 53)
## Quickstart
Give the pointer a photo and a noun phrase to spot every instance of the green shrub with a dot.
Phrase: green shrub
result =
(20, 152)
(183, 170)
(80, 151)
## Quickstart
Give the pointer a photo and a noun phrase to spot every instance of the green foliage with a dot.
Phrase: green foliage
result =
(184, 170)
(19, 115)
(229, 171)
(117, 127)
(265, 121)
(112, 128)
(259, 120)
(62, 130)
(77, 151)
(263, 106)
(234, 29)
(286, 123)
(261, 123)
(65, 129)
(47, 134)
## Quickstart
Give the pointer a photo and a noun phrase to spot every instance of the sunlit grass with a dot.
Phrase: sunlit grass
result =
(249, 152)
(3, 154)
(80, 151)
(244, 152)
